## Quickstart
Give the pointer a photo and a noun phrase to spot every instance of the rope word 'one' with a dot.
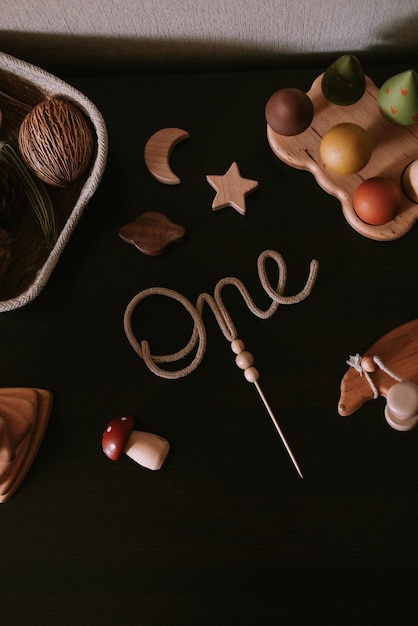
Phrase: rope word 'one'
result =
(198, 338)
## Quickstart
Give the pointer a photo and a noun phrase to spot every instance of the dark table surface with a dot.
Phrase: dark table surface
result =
(226, 532)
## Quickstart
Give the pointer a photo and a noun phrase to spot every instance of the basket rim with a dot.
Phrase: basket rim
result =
(56, 87)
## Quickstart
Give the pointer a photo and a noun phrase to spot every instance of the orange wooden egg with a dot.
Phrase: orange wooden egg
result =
(377, 200)
(345, 148)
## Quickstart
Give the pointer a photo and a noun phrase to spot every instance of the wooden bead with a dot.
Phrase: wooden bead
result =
(251, 374)
(368, 364)
(237, 346)
(244, 359)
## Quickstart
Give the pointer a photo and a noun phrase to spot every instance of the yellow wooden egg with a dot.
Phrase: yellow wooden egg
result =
(345, 148)
(56, 142)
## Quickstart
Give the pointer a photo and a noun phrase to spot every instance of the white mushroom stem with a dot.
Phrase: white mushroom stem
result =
(147, 449)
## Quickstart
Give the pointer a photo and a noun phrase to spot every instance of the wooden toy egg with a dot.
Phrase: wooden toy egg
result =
(409, 181)
(345, 148)
(377, 200)
(289, 111)
(398, 99)
(56, 142)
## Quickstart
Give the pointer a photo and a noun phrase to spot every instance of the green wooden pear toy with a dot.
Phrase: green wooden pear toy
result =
(343, 82)
(398, 99)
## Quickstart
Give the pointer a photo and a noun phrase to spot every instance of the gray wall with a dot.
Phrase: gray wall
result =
(165, 34)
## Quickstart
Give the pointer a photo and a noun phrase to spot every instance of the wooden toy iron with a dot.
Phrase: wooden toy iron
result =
(394, 147)
(24, 415)
(389, 360)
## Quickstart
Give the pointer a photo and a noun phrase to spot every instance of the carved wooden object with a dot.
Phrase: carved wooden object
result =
(157, 154)
(231, 189)
(152, 233)
(24, 415)
(398, 350)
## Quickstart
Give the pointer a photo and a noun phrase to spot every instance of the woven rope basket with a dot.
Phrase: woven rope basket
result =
(32, 261)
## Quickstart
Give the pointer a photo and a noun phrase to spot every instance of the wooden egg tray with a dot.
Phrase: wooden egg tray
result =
(22, 86)
(394, 147)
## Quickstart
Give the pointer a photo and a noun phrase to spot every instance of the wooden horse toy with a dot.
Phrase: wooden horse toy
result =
(389, 369)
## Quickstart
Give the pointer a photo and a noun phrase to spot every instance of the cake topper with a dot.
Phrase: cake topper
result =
(244, 359)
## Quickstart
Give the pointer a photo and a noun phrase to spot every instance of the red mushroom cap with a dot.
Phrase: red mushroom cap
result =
(116, 435)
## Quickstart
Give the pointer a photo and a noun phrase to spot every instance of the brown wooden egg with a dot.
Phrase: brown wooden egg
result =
(56, 142)
(289, 111)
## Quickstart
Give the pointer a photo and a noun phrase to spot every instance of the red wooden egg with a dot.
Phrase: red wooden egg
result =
(377, 200)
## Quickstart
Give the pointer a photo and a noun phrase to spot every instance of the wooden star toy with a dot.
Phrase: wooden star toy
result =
(231, 189)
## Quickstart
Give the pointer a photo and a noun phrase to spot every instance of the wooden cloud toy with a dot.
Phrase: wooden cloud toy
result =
(388, 369)
(24, 415)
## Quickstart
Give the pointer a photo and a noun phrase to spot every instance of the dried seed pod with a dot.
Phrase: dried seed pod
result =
(56, 142)
(5, 252)
(10, 192)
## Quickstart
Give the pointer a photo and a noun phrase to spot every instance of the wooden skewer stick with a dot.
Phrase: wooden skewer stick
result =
(279, 430)
(245, 361)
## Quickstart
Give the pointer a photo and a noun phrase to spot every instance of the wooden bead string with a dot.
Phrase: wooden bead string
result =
(244, 359)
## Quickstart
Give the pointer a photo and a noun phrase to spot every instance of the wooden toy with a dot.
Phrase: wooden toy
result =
(244, 359)
(401, 411)
(394, 147)
(231, 189)
(24, 415)
(146, 449)
(390, 360)
(343, 82)
(152, 233)
(398, 98)
(157, 154)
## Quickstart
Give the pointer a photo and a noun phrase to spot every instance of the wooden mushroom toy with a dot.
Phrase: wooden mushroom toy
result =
(146, 449)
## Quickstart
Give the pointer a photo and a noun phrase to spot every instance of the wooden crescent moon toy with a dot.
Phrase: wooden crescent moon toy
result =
(394, 148)
(390, 360)
(24, 415)
(157, 154)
